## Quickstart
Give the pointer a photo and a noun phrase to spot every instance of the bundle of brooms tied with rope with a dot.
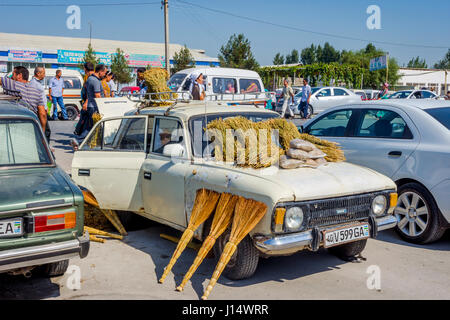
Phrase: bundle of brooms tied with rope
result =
(156, 81)
(244, 214)
(246, 154)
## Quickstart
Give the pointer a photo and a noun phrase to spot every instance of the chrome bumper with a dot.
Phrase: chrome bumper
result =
(48, 253)
(291, 243)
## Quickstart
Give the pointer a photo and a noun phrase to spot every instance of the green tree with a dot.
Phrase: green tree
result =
(293, 57)
(319, 52)
(444, 63)
(329, 54)
(89, 56)
(183, 59)
(237, 53)
(308, 55)
(119, 67)
(278, 59)
(417, 63)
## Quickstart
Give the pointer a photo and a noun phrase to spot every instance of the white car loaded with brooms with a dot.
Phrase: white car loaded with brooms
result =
(238, 178)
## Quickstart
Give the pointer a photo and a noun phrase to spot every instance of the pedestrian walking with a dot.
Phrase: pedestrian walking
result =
(31, 95)
(287, 94)
(196, 87)
(105, 86)
(140, 81)
(56, 90)
(88, 71)
(304, 102)
(94, 89)
(112, 85)
(37, 81)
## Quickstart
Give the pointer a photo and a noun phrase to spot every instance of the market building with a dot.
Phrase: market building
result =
(66, 53)
(432, 79)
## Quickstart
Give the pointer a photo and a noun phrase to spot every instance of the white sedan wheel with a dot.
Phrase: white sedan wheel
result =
(412, 214)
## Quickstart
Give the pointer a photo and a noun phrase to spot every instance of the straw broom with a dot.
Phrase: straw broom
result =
(204, 204)
(97, 232)
(247, 214)
(221, 221)
(111, 215)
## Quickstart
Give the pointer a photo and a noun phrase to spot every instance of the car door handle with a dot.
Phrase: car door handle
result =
(84, 172)
(395, 153)
(148, 175)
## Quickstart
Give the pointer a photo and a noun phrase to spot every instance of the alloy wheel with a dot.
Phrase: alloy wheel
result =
(412, 214)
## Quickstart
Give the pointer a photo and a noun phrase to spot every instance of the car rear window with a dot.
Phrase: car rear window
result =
(441, 114)
(21, 143)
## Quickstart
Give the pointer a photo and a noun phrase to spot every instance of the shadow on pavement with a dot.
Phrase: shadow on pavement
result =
(278, 269)
(392, 237)
(20, 288)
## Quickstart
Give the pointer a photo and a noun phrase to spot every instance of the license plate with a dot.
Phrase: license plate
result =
(342, 235)
(11, 227)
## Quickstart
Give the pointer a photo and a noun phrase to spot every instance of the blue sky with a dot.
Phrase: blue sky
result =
(402, 21)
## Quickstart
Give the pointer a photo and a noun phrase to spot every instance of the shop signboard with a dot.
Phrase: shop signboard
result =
(25, 55)
(143, 60)
(76, 57)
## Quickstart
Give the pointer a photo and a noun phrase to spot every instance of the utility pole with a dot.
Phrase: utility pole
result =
(90, 32)
(166, 33)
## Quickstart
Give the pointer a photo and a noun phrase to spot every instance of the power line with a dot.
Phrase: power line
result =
(80, 5)
(311, 31)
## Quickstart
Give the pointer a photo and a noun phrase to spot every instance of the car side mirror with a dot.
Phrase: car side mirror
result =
(174, 150)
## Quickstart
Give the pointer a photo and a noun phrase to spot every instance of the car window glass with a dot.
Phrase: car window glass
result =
(382, 124)
(21, 143)
(427, 95)
(333, 124)
(151, 121)
(119, 134)
(72, 83)
(440, 114)
(167, 131)
(340, 92)
(249, 85)
(175, 81)
(224, 85)
(324, 93)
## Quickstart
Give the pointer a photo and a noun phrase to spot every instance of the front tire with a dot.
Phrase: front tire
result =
(310, 112)
(72, 112)
(348, 250)
(417, 215)
(244, 261)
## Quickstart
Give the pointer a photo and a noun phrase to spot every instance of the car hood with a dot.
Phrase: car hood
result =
(326, 181)
(29, 188)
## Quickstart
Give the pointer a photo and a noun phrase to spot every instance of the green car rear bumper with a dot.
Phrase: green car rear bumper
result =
(43, 254)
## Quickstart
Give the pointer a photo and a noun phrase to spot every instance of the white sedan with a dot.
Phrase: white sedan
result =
(413, 94)
(407, 140)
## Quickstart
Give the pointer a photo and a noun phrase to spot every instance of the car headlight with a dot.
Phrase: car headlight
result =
(379, 205)
(294, 218)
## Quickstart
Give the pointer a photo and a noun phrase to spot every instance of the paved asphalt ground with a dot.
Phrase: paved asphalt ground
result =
(129, 269)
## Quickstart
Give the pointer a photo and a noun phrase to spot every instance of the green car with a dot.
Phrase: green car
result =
(41, 209)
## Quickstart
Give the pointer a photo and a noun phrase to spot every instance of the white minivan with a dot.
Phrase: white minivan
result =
(219, 80)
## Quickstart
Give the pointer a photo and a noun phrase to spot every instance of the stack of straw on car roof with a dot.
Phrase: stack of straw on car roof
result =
(262, 152)
(156, 81)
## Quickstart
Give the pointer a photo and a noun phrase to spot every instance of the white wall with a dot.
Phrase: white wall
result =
(419, 78)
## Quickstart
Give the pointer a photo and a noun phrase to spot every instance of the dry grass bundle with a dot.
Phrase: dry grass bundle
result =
(247, 214)
(204, 204)
(332, 149)
(221, 221)
(93, 231)
(263, 155)
(109, 214)
(156, 80)
(96, 117)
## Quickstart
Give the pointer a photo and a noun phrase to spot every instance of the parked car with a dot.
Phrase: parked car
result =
(41, 209)
(122, 162)
(125, 91)
(321, 99)
(362, 94)
(372, 94)
(219, 80)
(413, 94)
(407, 140)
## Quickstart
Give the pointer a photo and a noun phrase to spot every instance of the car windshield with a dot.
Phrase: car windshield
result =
(21, 143)
(400, 95)
(441, 114)
(175, 81)
(197, 125)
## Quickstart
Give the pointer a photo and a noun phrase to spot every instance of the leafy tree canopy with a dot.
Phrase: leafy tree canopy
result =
(237, 53)
(119, 67)
(417, 63)
(183, 59)
(278, 59)
(444, 63)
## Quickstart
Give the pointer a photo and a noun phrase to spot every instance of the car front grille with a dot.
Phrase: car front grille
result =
(338, 210)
